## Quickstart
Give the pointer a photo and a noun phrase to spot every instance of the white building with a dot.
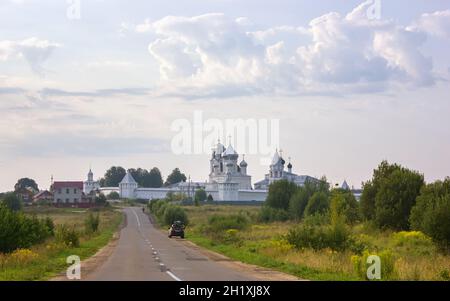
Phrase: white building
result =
(277, 172)
(228, 180)
(90, 184)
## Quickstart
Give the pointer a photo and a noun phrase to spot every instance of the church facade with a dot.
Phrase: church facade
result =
(228, 180)
(277, 172)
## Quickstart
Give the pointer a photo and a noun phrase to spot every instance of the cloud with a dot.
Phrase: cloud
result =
(33, 50)
(212, 55)
(436, 24)
(75, 144)
(96, 93)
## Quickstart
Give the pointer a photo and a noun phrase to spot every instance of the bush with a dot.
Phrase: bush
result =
(225, 228)
(101, 200)
(344, 204)
(219, 223)
(308, 235)
(92, 223)
(113, 195)
(396, 197)
(431, 214)
(50, 225)
(67, 235)
(175, 213)
(387, 260)
(280, 192)
(391, 194)
(411, 239)
(317, 204)
(19, 231)
(12, 201)
(298, 203)
(268, 214)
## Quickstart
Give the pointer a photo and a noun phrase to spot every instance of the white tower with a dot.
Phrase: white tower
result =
(128, 187)
(90, 184)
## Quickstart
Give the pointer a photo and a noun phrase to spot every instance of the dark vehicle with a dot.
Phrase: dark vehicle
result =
(177, 229)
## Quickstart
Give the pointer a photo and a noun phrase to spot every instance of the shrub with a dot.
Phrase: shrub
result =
(411, 239)
(92, 222)
(431, 214)
(50, 226)
(200, 196)
(268, 214)
(317, 204)
(12, 201)
(113, 195)
(298, 203)
(175, 213)
(67, 235)
(396, 197)
(307, 235)
(101, 200)
(387, 261)
(280, 192)
(221, 223)
(444, 275)
(344, 203)
(19, 231)
(22, 257)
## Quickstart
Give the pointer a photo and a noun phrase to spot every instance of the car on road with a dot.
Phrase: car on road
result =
(177, 229)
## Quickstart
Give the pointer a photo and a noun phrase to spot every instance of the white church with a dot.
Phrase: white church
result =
(228, 180)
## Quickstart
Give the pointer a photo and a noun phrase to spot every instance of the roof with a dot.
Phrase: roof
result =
(43, 194)
(230, 151)
(128, 179)
(68, 184)
(276, 158)
(345, 185)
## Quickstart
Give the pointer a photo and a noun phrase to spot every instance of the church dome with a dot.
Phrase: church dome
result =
(243, 164)
(276, 158)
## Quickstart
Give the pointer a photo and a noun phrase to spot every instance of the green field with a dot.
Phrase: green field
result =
(44, 261)
(414, 256)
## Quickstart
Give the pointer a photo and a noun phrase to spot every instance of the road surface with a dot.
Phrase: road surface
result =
(144, 253)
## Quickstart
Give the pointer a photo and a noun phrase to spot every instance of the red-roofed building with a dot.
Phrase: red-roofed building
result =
(43, 196)
(68, 193)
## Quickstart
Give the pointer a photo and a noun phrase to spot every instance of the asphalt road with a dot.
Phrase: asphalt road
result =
(143, 253)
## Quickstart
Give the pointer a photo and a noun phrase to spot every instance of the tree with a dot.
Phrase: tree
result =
(343, 203)
(100, 200)
(113, 176)
(317, 204)
(370, 188)
(25, 183)
(113, 195)
(280, 193)
(395, 198)
(367, 202)
(431, 214)
(12, 201)
(200, 196)
(154, 178)
(175, 177)
(298, 202)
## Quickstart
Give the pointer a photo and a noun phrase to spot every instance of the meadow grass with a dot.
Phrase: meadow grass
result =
(44, 261)
(415, 256)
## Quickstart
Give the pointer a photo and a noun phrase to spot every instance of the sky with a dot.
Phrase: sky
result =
(101, 83)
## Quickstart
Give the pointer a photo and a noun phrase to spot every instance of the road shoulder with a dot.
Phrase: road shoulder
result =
(91, 264)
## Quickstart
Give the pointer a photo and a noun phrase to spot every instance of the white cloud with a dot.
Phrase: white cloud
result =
(213, 55)
(33, 50)
(437, 23)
